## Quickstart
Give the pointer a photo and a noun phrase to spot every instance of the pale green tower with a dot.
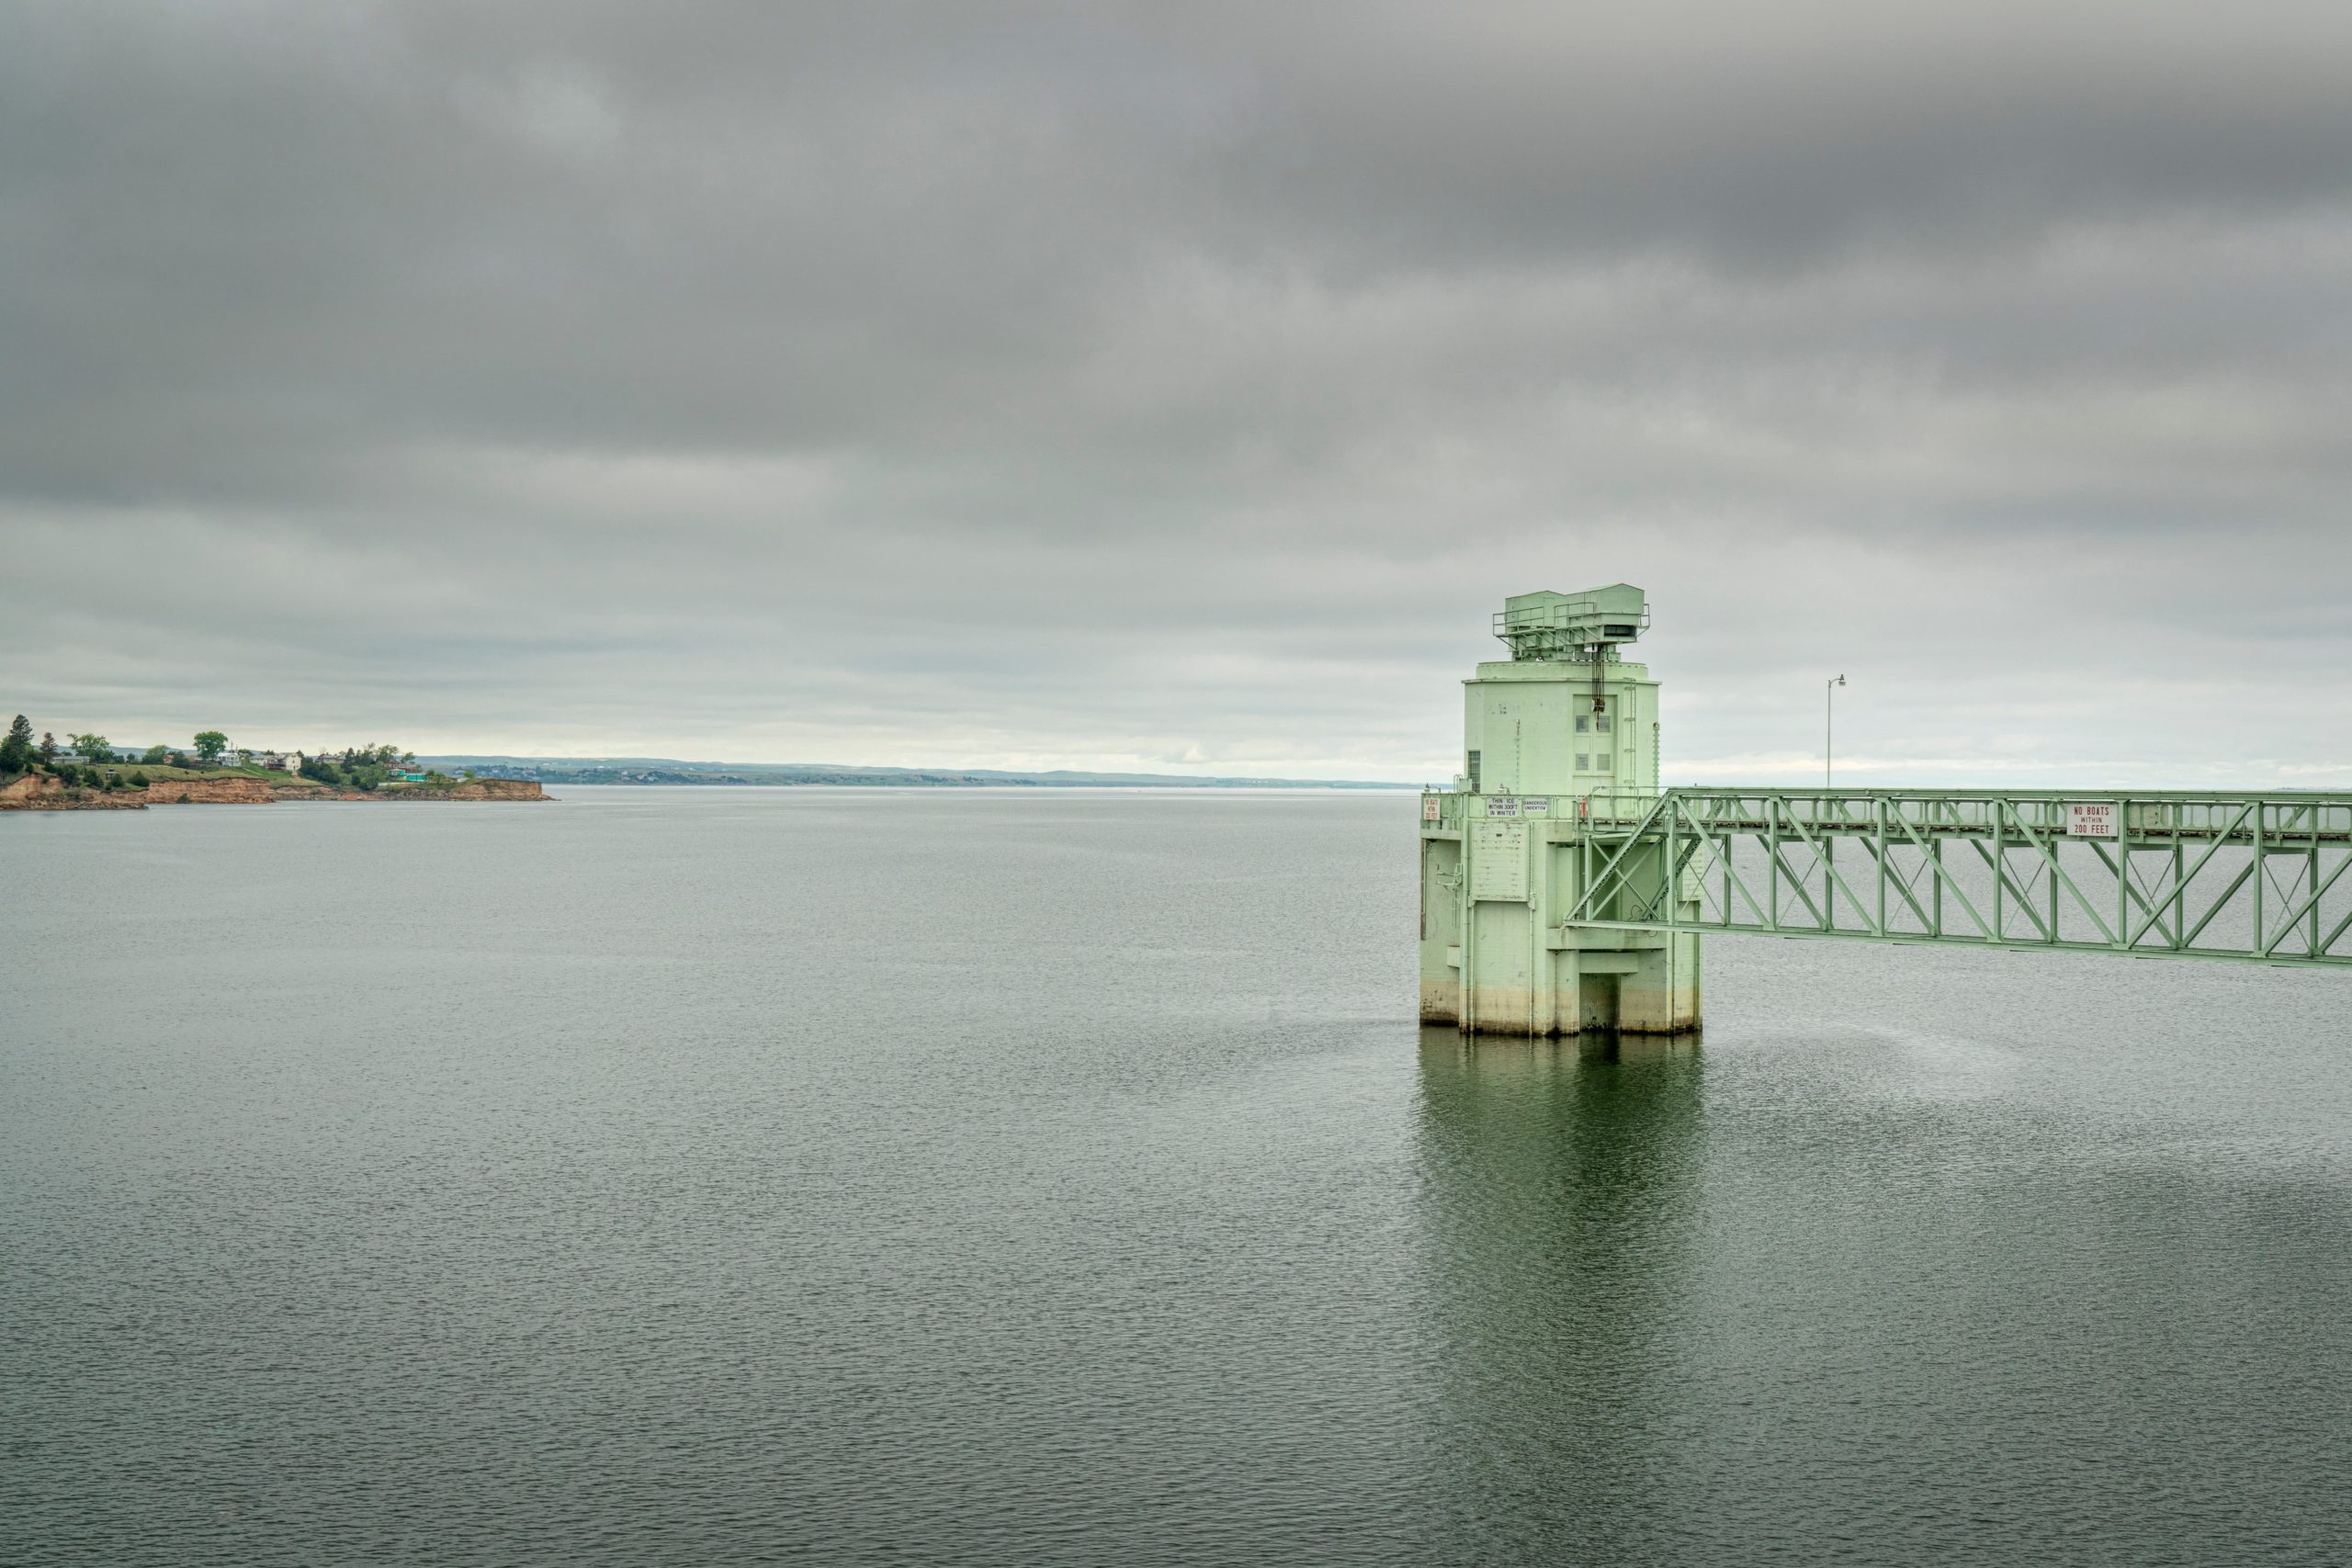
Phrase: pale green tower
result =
(1560, 748)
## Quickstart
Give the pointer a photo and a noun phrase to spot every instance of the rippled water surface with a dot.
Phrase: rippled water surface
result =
(698, 1176)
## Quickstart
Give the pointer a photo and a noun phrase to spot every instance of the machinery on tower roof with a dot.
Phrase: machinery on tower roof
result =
(1573, 628)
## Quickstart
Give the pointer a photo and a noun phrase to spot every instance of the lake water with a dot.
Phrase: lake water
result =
(1037, 1177)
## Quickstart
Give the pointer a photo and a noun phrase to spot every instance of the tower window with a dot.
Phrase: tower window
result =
(1584, 723)
(1472, 771)
(1601, 723)
(1584, 762)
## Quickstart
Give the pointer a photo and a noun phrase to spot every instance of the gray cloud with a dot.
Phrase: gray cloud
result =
(1121, 385)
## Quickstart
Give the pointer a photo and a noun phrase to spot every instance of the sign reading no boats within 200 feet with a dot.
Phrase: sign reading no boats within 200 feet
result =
(2092, 819)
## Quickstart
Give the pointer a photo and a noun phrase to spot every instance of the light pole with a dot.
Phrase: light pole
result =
(1828, 723)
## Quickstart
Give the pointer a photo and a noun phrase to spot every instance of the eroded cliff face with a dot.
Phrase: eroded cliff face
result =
(212, 792)
(467, 789)
(499, 789)
(45, 792)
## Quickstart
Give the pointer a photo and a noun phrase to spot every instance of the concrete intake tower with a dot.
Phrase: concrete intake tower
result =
(1560, 742)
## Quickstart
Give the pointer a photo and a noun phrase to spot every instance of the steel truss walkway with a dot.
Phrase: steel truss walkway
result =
(2254, 878)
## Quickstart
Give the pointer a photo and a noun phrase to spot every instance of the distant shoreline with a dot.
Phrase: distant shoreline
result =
(1244, 786)
(568, 771)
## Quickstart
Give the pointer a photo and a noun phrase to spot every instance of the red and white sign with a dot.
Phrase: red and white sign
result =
(2091, 819)
(1429, 808)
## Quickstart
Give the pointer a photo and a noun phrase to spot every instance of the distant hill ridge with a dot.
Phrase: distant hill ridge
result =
(669, 769)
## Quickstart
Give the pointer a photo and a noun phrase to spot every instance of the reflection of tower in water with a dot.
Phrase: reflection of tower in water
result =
(1560, 1194)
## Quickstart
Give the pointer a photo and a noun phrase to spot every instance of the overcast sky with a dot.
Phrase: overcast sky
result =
(1181, 388)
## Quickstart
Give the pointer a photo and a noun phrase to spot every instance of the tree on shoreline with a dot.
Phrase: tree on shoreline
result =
(210, 744)
(93, 748)
(16, 752)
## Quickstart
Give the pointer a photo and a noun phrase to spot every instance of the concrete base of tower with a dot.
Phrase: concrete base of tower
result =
(1604, 992)
(1661, 995)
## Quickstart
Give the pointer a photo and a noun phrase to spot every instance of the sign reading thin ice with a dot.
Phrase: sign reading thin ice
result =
(2091, 819)
(1502, 805)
